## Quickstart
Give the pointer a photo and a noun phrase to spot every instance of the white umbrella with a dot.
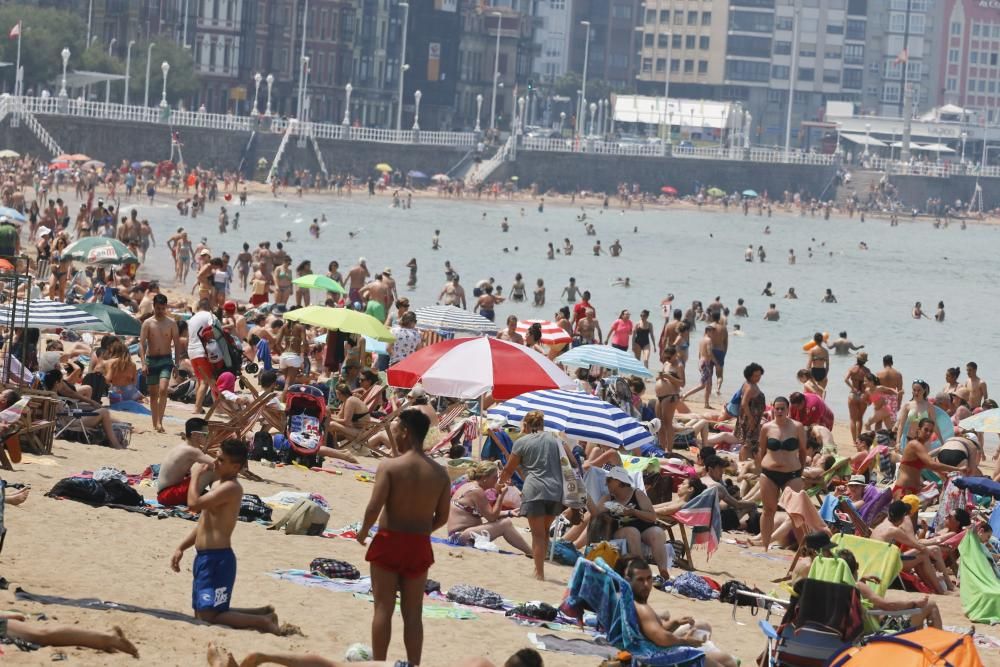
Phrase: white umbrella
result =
(450, 318)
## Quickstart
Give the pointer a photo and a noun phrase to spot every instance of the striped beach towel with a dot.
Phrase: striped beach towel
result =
(703, 515)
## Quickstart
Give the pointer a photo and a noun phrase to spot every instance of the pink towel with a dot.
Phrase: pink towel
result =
(805, 517)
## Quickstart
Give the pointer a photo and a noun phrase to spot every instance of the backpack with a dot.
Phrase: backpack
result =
(221, 349)
(333, 569)
(564, 553)
(733, 406)
(728, 594)
(253, 508)
(542, 611)
(262, 447)
(604, 550)
(304, 518)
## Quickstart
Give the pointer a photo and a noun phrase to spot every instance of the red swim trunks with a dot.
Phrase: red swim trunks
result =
(203, 370)
(257, 299)
(407, 554)
(174, 495)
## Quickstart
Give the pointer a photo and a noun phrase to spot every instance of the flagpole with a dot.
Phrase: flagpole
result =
(17, 70)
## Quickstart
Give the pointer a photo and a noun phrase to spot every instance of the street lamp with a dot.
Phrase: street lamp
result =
(128, 68)
(65, 58)
(257, 78)
(347, 105)
(402, 64)
(149, 59)
(304, 87)
(479, 109)
(270, 82)
(107, 85)
(868, 131)
(416, 109)
(165, 68)
(496, 74)
(562, 120)
(600, 116)
(965, 136)
(583, 87)
(593, 109)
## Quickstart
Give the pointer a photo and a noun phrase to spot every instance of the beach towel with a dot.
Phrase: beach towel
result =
(827, 510)
(105, 605)
(804, 515)
(875, 558)
(432, 611)
(264, 354)
(980, 589)
(305, 578)
(878, 504)
(702, 514)
(596, 586)
(995, 520)
(596, 648)
(496, 448)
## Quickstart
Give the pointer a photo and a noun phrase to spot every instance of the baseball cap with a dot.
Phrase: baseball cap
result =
(229, 306)
(619, 474)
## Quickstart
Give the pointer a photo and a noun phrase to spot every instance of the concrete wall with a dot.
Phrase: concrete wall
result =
(568, 171)
(914, 191)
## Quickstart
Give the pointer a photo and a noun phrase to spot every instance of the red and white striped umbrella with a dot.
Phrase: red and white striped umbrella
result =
(470, 367)
(552, 333)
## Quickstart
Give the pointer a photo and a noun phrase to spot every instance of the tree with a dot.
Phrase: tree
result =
(569, 83)
(44, 34)
(182, 82)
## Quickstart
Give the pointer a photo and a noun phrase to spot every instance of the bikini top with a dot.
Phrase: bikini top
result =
(788, 444)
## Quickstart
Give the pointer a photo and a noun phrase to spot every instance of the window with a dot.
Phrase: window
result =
(688, 66)
(893, 69)
(780, 72)
(751, 21)
(856, 29)
(854, 54)
(832, 51)
(647, 39)
(807, 50)
(852, 79)
(689, 41)
(783, 23)
(753, 47)
(675, 41)
(974, 57)
(661, 64)
(650, 16)
(835, 28)
(753, 3)
(675, 65)
(807, 74)
(747, 70)
(891, 92)
(782, 48)
(956, 28)
(662, 40)
(918, 24)
(808, 26)
(664, 16)
(702, 67)
(621, 11)
(897, 22)
(953, 56)
(692, 18)
(952, 84)
(678, 18)
(831, 76)
(975, 30)
(703, 42)
(706, 18)
(647, 64)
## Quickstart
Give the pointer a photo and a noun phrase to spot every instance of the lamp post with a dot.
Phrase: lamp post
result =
(65, 59)
(600, 116)
(149, 59)
(496, 74)
(479, 110)
(402, 63)
(107, 85)
(302, 54)
(965, 136)
(165, 68)
(792, 75)
(305, 88)
(257, 78)
(562, 120)
(128, 68)
(593, 114)
(347, 105)
(868, 131)
(416, 109)
(270, 82)
(583, 87)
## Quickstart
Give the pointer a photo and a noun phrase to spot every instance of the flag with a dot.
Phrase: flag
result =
(15, 32)
(903, 57)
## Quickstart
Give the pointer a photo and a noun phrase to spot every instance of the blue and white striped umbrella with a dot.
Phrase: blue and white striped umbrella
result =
(605, 356)
(45, 314)
(450, 318)
(577, 415)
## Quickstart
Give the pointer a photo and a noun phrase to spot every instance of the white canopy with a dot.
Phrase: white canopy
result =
(934, 148)
(690, 113)
(863, 140)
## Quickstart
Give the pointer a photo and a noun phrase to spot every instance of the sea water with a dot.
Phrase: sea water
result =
(693, 254)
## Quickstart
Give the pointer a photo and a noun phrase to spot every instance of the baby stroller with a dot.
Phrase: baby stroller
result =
(305, 427)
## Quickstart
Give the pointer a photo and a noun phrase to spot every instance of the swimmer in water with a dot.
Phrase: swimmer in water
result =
(791, 294)
(436, 240)
(829, 297)
(918, 312)
(622, 282)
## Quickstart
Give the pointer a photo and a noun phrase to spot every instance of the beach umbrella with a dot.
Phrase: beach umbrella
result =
(981, 486)
(114, 319)
(578, 416)
(552, 333)
(450, 318)
(59, 164)
(716, 192)
(317, 281)
(136, 165)
(100, 250)
(12, 214)
(341, 319)
(382, 166)
(8, 153)
(987, 421)
(440, 178)
(45, 314)
(604, 356)
(5, 265)
(77, 157)
(470, 367)
(93, 164)
(413, 173)
(749, 193)
(669, 190)
(65, 157)
(147, 164)
(915, 647)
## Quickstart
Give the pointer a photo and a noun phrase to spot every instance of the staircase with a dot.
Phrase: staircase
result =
(292, 124)
(319, 156)
(860, 185)
(462, 165)
(478, 172)
(246, 151)
(9, 105)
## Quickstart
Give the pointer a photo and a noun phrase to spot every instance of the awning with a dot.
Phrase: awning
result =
(863, 140)
(934, 148)
(81, 78)
(678, 111)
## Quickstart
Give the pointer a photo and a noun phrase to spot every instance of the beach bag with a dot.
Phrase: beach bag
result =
(333, 569)
(574, 493)
(542, 611)
(728, 594)
(262, 447)
(564, 553)
(304, 518)
(118, 492)
(604, 550)
(475, 596)
(733, 406)
(83, 490)
(252, 508)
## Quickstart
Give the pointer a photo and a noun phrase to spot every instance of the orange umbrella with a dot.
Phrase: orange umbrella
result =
(5, 265)
(928, 647)
(78, 157)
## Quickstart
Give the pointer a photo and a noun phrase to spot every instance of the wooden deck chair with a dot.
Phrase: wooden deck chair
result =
(374, 426)
(240, 382)
(448, 417)
(370, 397)
(239, 425)
(860, 527)
(686, 559)
(805, 519)
(37, 426)
(448, 436)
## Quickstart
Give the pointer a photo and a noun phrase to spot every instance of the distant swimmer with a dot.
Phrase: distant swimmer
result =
(741, 309)
(571, 291)
(918, 311)
(768, 291)
(541, 205)
(436, 239)
(767, 229)
(598, 250)
(504, 226)
(791, 256)
(738, 330)
(772, 314)
(939, 315)
(829, 297)
(616, 248)
(761, 255)
(622, 282)
(551, 253)
(288, 237)
(843, 346)
(748, 254)
(567, 247)
(790, 294)
(862, 246)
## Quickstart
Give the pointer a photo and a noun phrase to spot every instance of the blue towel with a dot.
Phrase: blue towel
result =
(995, 520)
(490, 451)
(599, 588)
(130, 406)
(827, 511)
(264, 354)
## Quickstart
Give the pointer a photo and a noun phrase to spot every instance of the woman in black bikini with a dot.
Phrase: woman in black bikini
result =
(634, 518)
(781, 456)
(642, 338)
(668, 387)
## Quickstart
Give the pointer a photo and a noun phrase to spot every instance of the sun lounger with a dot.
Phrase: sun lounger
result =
(239, 425)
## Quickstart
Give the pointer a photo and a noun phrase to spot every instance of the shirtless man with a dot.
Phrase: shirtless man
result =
(510, 333)
(978, 393)
(410, 501)
(819, 361)
(356, 278)
(923, 559)
(452, 294)
(843, 346)
(175, 471)
(159, 342)
(890, 378)
(487, 303)
(390, 287)
(215, 564)
(772, 314)
(243, 265)
(374, 295)
(571, 291)
(720, 341)
(669, 334)
(706, 360)
(588, 328)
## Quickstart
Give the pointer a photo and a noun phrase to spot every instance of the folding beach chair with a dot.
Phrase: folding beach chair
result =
(875, 558)
(239, 425)
(360, 441)
(805, 519)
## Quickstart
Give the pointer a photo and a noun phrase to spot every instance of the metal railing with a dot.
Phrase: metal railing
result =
(931, 169)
